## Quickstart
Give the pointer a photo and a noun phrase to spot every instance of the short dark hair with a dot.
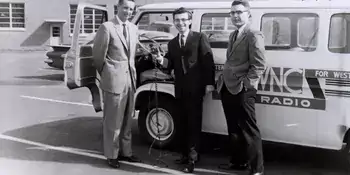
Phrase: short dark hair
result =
(245, 3)
(182, 10)
(123, 1)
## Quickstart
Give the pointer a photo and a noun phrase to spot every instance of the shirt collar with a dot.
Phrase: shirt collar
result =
(241, 28)
(186, 33)
(120, 21)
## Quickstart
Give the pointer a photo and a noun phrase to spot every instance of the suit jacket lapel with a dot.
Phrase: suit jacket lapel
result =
(229, 47)
(189, 40)
(239, 39)
(177, 43)
(119, 30)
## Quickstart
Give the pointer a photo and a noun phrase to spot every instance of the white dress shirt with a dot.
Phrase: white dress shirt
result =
(121, 23)
(185, 37)
(240, 30)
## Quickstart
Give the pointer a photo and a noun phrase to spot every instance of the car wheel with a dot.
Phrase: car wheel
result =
(163, 134)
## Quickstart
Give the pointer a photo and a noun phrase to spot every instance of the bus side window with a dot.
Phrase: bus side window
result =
(217, 27)
(338, 33)
(290, 31)
(277, 32)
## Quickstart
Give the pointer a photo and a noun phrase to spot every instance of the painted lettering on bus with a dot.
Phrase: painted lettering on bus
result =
(279, 79)
(307, 103)
(327, 74)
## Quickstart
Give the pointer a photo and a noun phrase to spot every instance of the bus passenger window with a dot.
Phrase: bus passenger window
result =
(307, 33)
(290, 31)
(217, 27)
(276, 31)
(338, 33)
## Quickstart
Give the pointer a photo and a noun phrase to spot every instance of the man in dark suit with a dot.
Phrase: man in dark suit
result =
(190, 55)
(113, 55)
(238, 86)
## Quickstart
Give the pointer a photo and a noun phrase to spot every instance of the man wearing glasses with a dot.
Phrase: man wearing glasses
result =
(191, 57)
(238, 86)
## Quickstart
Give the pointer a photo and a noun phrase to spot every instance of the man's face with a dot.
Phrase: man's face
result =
(239, 15)
(182, 22)
(125, 10)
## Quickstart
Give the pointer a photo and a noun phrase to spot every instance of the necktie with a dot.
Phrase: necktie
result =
(182, 45)
(125, 33)
(182, 41)
(235, 34)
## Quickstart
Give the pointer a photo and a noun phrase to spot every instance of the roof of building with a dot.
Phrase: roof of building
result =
(323, 4)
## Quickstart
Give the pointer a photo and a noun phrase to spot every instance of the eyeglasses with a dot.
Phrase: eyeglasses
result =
(181, 20)
(232, 13)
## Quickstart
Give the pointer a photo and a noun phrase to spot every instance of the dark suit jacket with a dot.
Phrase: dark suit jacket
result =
(199, 63)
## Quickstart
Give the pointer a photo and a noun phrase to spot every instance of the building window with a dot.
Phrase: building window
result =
(12, 15)
(290, 31)
(91, 22)
(218, 27)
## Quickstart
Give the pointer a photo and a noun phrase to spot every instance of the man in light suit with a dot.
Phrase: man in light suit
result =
(113, 55)
(238, 86)
(191, 57)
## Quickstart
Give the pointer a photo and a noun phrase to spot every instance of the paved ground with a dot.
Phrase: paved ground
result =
(46, 128)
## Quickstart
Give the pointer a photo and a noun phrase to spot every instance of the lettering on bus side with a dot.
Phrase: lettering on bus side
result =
(285, 80)
(285, 87)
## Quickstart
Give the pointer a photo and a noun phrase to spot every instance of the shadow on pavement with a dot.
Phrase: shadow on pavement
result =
(84, 134)
(39, 80)
(81, 134)
(29, 83)
(51, 77)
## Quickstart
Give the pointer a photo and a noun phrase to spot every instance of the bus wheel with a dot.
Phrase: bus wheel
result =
(346, 152)
(158, 129)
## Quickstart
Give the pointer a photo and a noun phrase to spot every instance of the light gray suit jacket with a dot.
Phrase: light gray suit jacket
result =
(245, 61)
(113, 57)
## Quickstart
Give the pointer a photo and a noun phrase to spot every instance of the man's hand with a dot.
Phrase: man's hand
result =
(209, 88)
(158, 57)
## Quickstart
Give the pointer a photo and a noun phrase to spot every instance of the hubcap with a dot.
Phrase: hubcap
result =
(165, 127)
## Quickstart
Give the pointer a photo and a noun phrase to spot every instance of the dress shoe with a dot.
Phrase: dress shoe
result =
(182, 160)
(133, 159)
(231, 166)
(114, 163)
(189, 167)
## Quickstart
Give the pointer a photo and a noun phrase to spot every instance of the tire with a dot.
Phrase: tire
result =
(167, 120)
(346, 153)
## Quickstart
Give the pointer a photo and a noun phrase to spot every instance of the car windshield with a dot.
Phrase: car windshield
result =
(156, 25)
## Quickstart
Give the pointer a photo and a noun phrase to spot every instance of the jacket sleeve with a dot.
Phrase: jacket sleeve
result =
(257, 59)
(206, 60)
(168, 62)
(100, 48)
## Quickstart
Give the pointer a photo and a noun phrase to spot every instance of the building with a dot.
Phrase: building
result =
(36, 24)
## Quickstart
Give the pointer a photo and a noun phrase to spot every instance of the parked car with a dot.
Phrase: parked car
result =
(55, 56)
